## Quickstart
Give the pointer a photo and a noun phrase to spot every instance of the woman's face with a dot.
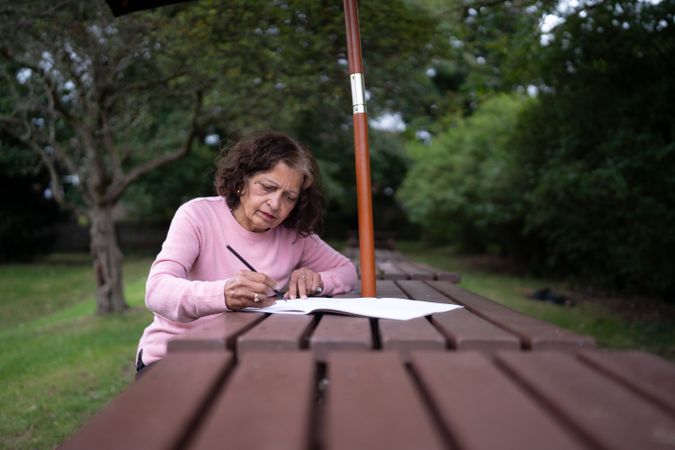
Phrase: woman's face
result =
(268, 198)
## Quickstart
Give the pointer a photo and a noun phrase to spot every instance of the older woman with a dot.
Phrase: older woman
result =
(268, 209)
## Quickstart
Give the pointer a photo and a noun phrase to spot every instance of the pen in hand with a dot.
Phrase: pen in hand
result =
(250, 267)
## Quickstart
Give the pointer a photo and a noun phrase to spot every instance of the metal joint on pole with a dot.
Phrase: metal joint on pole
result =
(358, 93)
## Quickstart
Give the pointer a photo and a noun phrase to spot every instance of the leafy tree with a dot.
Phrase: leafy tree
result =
(290, 63)
(600, 147)
(587, 187)
(107, 101)
(90, 97)
(461, 186)
(489, 48)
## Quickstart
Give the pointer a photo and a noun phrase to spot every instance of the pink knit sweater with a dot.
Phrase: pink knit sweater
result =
(186, 283)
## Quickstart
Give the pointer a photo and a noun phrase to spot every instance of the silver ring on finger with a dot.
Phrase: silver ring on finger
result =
(256, 299)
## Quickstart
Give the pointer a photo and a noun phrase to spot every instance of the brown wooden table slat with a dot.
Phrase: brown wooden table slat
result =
(352, 294)
(337, 333)
(404, 336)
(421, 291)
(440, 274)
(218, 334)
(415, 272)
(483, 409)
(389, 271)
(277, 332)
(607, 413)
(651, 376)
(157, 411)
(267, 403)
(467, 331)
(392, 265)
(388, 288)
(373, 404)
(462, 328)
(536, 334)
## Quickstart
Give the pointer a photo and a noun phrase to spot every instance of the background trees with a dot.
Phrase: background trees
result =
(539, 130)
(91, 98)
(578, 181)
(103, 102)
(600, 147)
(463, 186)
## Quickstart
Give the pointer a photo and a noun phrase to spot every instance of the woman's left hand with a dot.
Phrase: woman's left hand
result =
(304, 282)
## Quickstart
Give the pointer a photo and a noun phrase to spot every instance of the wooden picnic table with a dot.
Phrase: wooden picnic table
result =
(481, 377)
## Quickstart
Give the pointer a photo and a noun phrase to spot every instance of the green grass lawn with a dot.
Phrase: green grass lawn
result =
(60, 362)
(645, 324)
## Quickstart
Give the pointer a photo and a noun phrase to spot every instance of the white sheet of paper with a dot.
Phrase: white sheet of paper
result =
(380, 308)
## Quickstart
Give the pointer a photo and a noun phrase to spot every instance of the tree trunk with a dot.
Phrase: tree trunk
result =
(107, 262)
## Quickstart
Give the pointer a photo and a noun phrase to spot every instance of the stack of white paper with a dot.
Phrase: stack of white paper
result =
(380, 308)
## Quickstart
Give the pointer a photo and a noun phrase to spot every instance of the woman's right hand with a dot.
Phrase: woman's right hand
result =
(249, 288)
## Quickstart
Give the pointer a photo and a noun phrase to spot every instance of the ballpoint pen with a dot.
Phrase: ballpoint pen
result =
(250, 267)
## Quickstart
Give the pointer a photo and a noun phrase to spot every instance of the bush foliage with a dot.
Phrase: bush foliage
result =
(579, 181)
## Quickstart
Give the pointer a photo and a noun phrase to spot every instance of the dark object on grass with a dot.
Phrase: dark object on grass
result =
(549, 296)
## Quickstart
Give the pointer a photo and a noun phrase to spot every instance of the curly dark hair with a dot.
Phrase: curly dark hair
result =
(260, 152)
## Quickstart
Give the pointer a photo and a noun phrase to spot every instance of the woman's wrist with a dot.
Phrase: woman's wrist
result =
(227, 282)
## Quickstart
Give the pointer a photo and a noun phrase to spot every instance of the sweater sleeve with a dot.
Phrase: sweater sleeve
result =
(337, 272)
(169, 291)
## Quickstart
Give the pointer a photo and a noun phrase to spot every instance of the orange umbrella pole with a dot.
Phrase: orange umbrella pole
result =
(361, 151)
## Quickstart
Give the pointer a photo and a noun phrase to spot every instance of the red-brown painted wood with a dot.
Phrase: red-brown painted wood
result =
(647, 374)
(403, 336)
(535, 334)
(414, 272)
(266, 404)
(339, 333)
(466, 331)
(373, 404)
(277, 332)
(483, 409)
(389, 289)
(218, 334)
(157, 411)
(417, 290)
(387, 270)
(603, 410)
